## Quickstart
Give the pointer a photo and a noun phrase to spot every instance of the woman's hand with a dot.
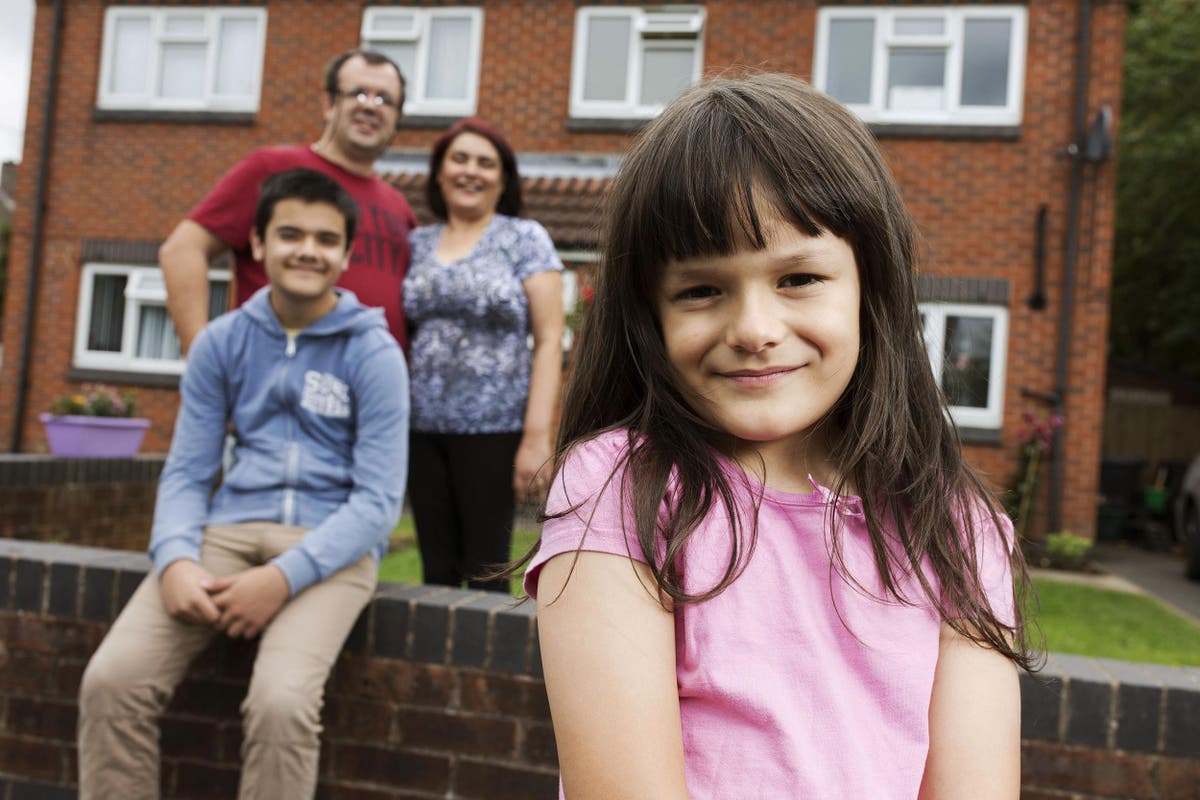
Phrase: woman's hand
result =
(532, 469)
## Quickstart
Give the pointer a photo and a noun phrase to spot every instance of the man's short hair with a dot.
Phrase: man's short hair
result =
(308, 186)
(371, 57)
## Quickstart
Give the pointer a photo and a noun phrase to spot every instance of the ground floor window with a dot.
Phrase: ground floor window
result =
(122, 321)
(967, 345)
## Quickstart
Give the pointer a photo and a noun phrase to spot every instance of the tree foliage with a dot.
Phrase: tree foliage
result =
(1156, 275)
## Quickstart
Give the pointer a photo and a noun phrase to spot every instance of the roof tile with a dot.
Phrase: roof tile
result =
(568, 207)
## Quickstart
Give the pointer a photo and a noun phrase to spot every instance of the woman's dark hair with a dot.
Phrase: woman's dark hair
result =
(698, 183)
(308, 186)
(509, 203)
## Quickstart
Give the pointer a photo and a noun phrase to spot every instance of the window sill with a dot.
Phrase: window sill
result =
(990, 437)
(152, 380)
(605, 124)
(430, 121)
(184, 117)
(892, 130)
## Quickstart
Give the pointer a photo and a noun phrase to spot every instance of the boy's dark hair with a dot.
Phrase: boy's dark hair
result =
(308, 186)
(371, 57)
(698, 182)
(509, 202)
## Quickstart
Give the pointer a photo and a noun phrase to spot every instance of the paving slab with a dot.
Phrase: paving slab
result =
(1158, 574)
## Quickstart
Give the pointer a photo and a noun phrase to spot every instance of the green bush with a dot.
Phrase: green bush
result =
(1065, 550)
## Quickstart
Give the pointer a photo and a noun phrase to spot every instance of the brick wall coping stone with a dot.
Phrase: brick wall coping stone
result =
(25, 469)
(1094, 703)
(422, 624)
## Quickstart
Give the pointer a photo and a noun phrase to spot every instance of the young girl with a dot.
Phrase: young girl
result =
(766, 570)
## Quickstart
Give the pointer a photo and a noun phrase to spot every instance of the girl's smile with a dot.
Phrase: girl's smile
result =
(765, 341)
(751, 378)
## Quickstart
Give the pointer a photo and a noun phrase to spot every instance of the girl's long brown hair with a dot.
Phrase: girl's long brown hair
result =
(693, 186)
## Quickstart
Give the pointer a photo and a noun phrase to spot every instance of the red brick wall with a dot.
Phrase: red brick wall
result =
(439, 694)
(975, 200)
(1062, 772)
(405, 715)
(95, 502)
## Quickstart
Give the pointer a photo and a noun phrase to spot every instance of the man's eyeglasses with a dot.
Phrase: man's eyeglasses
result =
(365, 97)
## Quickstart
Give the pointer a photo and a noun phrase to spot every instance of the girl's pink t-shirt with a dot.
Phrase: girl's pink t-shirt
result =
(793, 682)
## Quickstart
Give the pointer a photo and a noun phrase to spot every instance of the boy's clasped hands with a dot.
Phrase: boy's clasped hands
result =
(240, 605)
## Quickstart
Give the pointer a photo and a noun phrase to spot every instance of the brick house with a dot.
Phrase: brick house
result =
(996, 118)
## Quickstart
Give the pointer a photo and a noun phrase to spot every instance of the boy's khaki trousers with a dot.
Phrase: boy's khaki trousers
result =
(134, 672)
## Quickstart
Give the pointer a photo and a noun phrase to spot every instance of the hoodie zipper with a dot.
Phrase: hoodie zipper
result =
(289, 494)
(292, 467)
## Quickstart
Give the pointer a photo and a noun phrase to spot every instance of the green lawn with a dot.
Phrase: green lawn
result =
(1073, 618)
(1098, 622)
(403, 563)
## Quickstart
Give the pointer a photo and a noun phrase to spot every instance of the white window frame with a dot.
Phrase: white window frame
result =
(935, 314)
(158, 16)
(136, 297)
(416, 85)
(684, 24)
(951, 42)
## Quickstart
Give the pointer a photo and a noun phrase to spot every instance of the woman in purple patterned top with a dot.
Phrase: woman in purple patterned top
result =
(481, 282)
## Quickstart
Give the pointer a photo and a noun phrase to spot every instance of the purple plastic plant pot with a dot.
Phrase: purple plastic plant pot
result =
(73, 436)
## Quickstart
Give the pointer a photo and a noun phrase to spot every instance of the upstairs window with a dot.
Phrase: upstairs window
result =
(182, 58)
(629, 62)
(122, 321)
(961, 65)
(437, 49)
(967, 345)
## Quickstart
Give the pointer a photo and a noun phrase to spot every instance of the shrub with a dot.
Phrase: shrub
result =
(1035, 439)
(1065, 550)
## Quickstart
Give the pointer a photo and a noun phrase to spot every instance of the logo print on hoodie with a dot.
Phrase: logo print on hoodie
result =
(325, 395)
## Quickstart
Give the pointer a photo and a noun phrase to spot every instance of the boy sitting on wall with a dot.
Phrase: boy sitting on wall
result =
(316, 390)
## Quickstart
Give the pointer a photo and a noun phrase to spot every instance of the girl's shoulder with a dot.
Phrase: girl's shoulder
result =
(589, 505)
(588, 466)
(988, 550)
(988, 525)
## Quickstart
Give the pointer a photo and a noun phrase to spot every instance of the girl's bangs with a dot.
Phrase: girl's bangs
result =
(704, 188)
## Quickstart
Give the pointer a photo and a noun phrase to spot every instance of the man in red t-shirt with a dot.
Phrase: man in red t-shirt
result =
(364, 94)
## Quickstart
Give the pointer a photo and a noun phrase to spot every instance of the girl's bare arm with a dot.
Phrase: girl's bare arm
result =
(608, 652)
(974, 724)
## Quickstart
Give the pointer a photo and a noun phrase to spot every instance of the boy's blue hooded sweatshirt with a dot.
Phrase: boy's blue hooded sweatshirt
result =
(321, 437)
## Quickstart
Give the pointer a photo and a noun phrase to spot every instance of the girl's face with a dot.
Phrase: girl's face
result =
(471, 176)
(765, 340)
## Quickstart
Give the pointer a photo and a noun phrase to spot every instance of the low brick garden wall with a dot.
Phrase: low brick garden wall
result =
(439, 695)
(105, 502)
